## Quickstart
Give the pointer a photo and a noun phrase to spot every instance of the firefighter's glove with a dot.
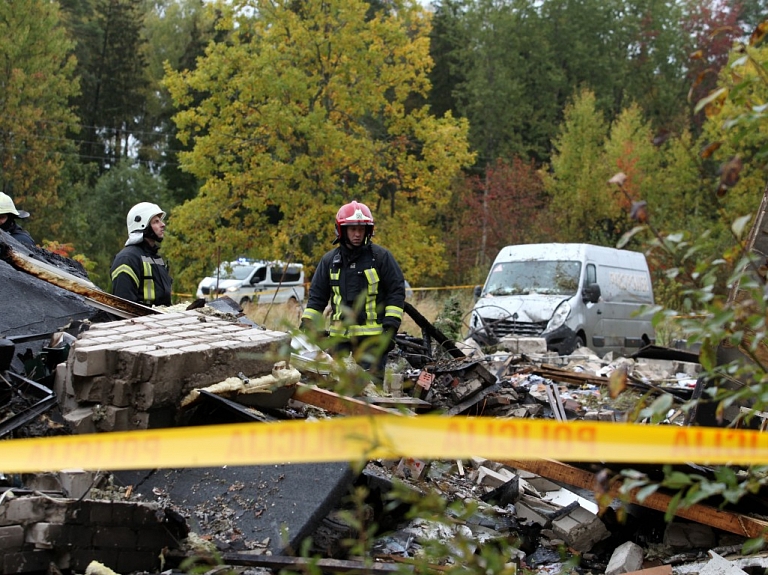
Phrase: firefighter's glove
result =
(390, 331)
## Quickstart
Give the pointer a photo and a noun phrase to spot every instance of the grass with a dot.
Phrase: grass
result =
(430, 304)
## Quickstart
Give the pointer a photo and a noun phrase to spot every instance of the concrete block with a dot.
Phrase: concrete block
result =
(491, 478)
(44, 535)
(626, 557)
(121, 394)
(95, 360)
(76, 482)
(97, 512)
(23, 510)
(155, 538)
(114, 419)
(80, 420)
(581, 529)
(92, 389)
(11, 538)
(523, 345)
(114, 537)
(147, 514)
(535, 510)
(60, 379)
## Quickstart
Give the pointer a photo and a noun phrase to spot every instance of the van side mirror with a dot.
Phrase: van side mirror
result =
(591, 293)
(478, 291)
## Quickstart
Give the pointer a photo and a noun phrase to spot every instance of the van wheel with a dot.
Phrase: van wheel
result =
(580, 342)
(245, 302)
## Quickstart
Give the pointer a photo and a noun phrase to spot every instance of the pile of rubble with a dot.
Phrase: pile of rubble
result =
(126, 370)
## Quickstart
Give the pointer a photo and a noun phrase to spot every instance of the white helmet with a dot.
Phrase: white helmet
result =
(7, 207)
(141, 214)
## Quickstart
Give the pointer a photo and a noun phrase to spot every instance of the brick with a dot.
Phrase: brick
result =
(33, 561)
(114, 537)
(44, 535)
(11, 538)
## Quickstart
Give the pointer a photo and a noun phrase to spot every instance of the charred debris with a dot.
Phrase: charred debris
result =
(74, 359)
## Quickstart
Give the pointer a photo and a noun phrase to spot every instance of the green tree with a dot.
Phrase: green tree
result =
(577, 177)
(36, 81)
(303, 109)
(121, 187)
(112, 69)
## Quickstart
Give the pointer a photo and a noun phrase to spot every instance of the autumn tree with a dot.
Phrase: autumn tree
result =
(507, 202)
(307, 106)
(36, 81)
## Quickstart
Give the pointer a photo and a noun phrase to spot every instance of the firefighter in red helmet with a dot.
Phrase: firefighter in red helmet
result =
(365, 287)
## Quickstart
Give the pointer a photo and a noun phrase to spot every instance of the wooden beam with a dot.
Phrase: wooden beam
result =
(336, 403)
(725, 520)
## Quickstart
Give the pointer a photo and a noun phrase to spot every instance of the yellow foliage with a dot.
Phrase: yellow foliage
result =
(300, 111)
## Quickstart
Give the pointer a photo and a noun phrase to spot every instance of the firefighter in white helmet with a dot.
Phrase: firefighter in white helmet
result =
(138, 272)
(365, 287)
(8, 216)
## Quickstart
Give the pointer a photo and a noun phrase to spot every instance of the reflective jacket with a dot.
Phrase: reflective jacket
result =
(365, 288)
(139, 274)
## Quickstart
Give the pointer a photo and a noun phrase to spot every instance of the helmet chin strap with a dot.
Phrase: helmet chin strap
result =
(150, 233)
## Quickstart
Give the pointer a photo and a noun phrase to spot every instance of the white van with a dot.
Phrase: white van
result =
(247, 281)
(570, 294)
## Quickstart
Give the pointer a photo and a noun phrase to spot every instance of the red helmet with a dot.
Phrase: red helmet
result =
(354, 214)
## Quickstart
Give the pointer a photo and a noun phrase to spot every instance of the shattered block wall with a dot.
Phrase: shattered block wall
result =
(132, 374)
(36, 532)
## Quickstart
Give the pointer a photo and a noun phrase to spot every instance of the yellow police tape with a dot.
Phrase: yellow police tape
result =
(383, 436)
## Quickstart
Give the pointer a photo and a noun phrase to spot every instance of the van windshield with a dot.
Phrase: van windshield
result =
(227, 272)
(541, 277)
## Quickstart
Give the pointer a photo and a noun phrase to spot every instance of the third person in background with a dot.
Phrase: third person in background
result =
(8, 216)
(366, 290)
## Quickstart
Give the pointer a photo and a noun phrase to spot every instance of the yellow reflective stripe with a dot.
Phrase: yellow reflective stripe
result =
(338, 330)
(358, 330)
(125, 269)
(336, 299)
(393, 311)
(370, 299)
(311, 314)
(149, 284)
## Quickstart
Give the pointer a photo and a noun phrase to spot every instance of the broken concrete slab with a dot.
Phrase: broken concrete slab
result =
(626, 557)
(580, 529)
(269, 507)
